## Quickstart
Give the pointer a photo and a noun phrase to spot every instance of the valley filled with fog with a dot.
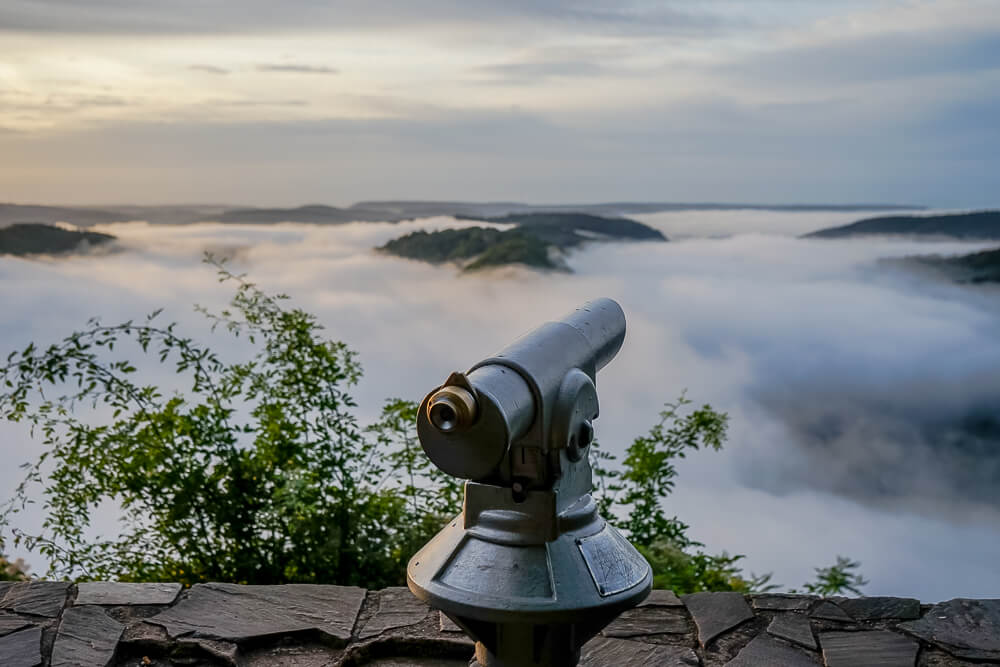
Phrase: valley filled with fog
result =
(864, 397)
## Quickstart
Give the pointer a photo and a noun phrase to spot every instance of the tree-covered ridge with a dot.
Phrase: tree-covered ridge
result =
(38, 239)
(563, 229)
(475, 247)
(979, 225)
(977, 267)
(529, 243)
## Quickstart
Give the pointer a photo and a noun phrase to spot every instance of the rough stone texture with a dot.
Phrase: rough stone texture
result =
(783, 602)
(223, 625)
(39, 598)
(873, 609)
(829, 611)
(794, 628)
(875, 648)
(225, 652)
(416, 662)
(240, 613)
(445, 624)
(87, 637)
(715, 613)
(121, 593)
(661, 598)
(765, 651)
(9, 624)
(965, 628)
(647, 621)
(603, 652)
(21, 649)
(397, 608)
(292, 656)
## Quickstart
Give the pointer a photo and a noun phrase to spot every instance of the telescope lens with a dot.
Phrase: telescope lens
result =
(443, 416)
(452, 409)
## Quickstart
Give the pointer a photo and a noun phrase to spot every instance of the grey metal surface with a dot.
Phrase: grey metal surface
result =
(529, 570)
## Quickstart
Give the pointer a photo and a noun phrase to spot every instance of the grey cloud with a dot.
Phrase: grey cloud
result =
(296, 69)
(209, 69)
(881, 57)
(99, 101)
(838, 151)
(259, 103)
(65, 103)
(190, 16)
(518, 73)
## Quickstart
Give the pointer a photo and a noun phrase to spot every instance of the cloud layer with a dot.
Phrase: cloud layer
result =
(851, 384)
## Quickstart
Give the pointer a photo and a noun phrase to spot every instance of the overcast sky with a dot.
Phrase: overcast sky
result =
(259, 102)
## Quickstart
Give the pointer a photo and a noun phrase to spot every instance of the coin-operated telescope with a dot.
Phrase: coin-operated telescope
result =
(529, 569)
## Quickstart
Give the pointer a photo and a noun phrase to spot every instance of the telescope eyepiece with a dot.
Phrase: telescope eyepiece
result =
(452, 409)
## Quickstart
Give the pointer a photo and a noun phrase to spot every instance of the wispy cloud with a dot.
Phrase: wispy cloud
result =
(529, 72)
(192, 16)
(297, 69)
(209, 69)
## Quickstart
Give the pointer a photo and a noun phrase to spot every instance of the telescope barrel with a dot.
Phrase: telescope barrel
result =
(600, 323)
(467, 425)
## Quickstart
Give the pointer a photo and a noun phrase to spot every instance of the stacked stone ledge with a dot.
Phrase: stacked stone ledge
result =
(226, 625)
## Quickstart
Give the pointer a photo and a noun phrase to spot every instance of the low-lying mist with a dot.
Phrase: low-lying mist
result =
(865, 400)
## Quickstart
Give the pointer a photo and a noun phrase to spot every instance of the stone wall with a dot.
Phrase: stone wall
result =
(143, 625)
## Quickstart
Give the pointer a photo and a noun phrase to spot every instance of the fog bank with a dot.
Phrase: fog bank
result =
(863, 398)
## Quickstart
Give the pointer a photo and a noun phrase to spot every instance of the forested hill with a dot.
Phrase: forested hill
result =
(979, 225)
(38, 239)
(535, 240)
(568, 229)
(978, 267)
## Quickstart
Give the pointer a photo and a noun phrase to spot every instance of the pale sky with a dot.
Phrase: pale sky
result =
(267, 103)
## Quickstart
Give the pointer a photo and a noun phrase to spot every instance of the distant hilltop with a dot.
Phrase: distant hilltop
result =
(536, 240)
(975, 268)
(36, 239)
(374, 211)
(978, 226)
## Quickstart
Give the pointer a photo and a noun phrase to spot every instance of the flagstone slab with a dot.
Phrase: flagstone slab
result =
(828, 611)
(763, 651)
(868, 648)
(647, 621)
(9, 624)
(606, 652)
(794, 628)
(965, 628)
(445, 624)
(87, 637)
(880, 608)
(783, 602)
(397, 608)
(22, 648)
(38, 598)
(661, 598)
(125, 593)
(715, 613)
(237, 613)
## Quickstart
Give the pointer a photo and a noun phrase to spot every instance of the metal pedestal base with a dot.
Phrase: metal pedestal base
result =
(532, 646)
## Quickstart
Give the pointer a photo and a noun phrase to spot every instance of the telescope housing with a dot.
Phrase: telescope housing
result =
(529, 569)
